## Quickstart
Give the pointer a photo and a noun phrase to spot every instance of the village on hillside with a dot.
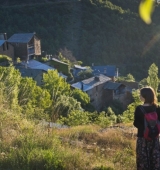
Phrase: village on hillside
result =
(101, 86)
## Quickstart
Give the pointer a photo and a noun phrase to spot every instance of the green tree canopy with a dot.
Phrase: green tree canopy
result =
(81, 96)
(9, 82)
(55, 84)
(152, 78)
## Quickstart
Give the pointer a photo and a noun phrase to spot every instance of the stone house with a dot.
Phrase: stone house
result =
(26, 46)
(118, 92)
(102, 91)
(5, 47)
(94, 87)
(122, 91)
(127, 98)
(35, 70)
(59, 65)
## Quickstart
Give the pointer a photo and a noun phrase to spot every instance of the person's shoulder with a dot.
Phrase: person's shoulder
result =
(138, 107)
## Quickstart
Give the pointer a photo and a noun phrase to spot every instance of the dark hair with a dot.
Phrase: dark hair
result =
(149, 95)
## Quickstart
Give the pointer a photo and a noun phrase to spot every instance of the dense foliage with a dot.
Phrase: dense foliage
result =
(95, 31)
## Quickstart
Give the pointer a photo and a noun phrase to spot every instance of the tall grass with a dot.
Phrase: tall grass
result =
(27, 145)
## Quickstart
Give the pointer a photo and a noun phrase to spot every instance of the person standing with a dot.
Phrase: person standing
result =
(147, 151)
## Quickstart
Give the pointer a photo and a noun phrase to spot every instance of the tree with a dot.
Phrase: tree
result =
(85, 73)
(128, 115)
(55, 84)
(152, 78)
(4, 58)
(33, 100)
(143, 83)
(26, 88)
(75, 118)
(9, 81)
(63, 106)
(130, 78)
(81, 96)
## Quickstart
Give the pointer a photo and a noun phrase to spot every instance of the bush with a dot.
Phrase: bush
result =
(103, 120)
(75, 118)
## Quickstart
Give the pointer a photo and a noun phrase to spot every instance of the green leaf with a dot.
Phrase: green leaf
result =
(146, 8)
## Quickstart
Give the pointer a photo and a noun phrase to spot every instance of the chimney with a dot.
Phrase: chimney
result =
(96, 78)
(117, 73)
(26, 64)
(3, 36)
(82, 86)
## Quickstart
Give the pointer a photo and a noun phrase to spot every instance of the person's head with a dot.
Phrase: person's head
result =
(148, 95)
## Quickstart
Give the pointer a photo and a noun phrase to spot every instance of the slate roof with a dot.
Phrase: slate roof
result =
(80, 67)
(33, 64)
(90, 83)
(2, 42)
(108, 70)
(54, 59)
(112, 85)
(21, 37)
(29, 72)
(37, 65)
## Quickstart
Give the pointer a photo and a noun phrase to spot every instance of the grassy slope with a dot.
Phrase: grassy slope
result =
(27, 145)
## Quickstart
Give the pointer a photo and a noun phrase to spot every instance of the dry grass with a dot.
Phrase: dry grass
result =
(104, 144)
(81, 147)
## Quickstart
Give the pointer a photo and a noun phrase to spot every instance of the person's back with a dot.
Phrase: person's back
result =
(147, 151)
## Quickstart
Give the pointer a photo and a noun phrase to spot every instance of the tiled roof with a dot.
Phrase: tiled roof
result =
(2, 42)
(108, 70)
(21, 38)
(90, 83)
(112, 85)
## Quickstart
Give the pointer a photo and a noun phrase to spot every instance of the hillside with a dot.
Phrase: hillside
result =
(95, 31)
(28, 145)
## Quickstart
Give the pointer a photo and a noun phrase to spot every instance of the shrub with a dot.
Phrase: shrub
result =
(103, 120)
(75, 118)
